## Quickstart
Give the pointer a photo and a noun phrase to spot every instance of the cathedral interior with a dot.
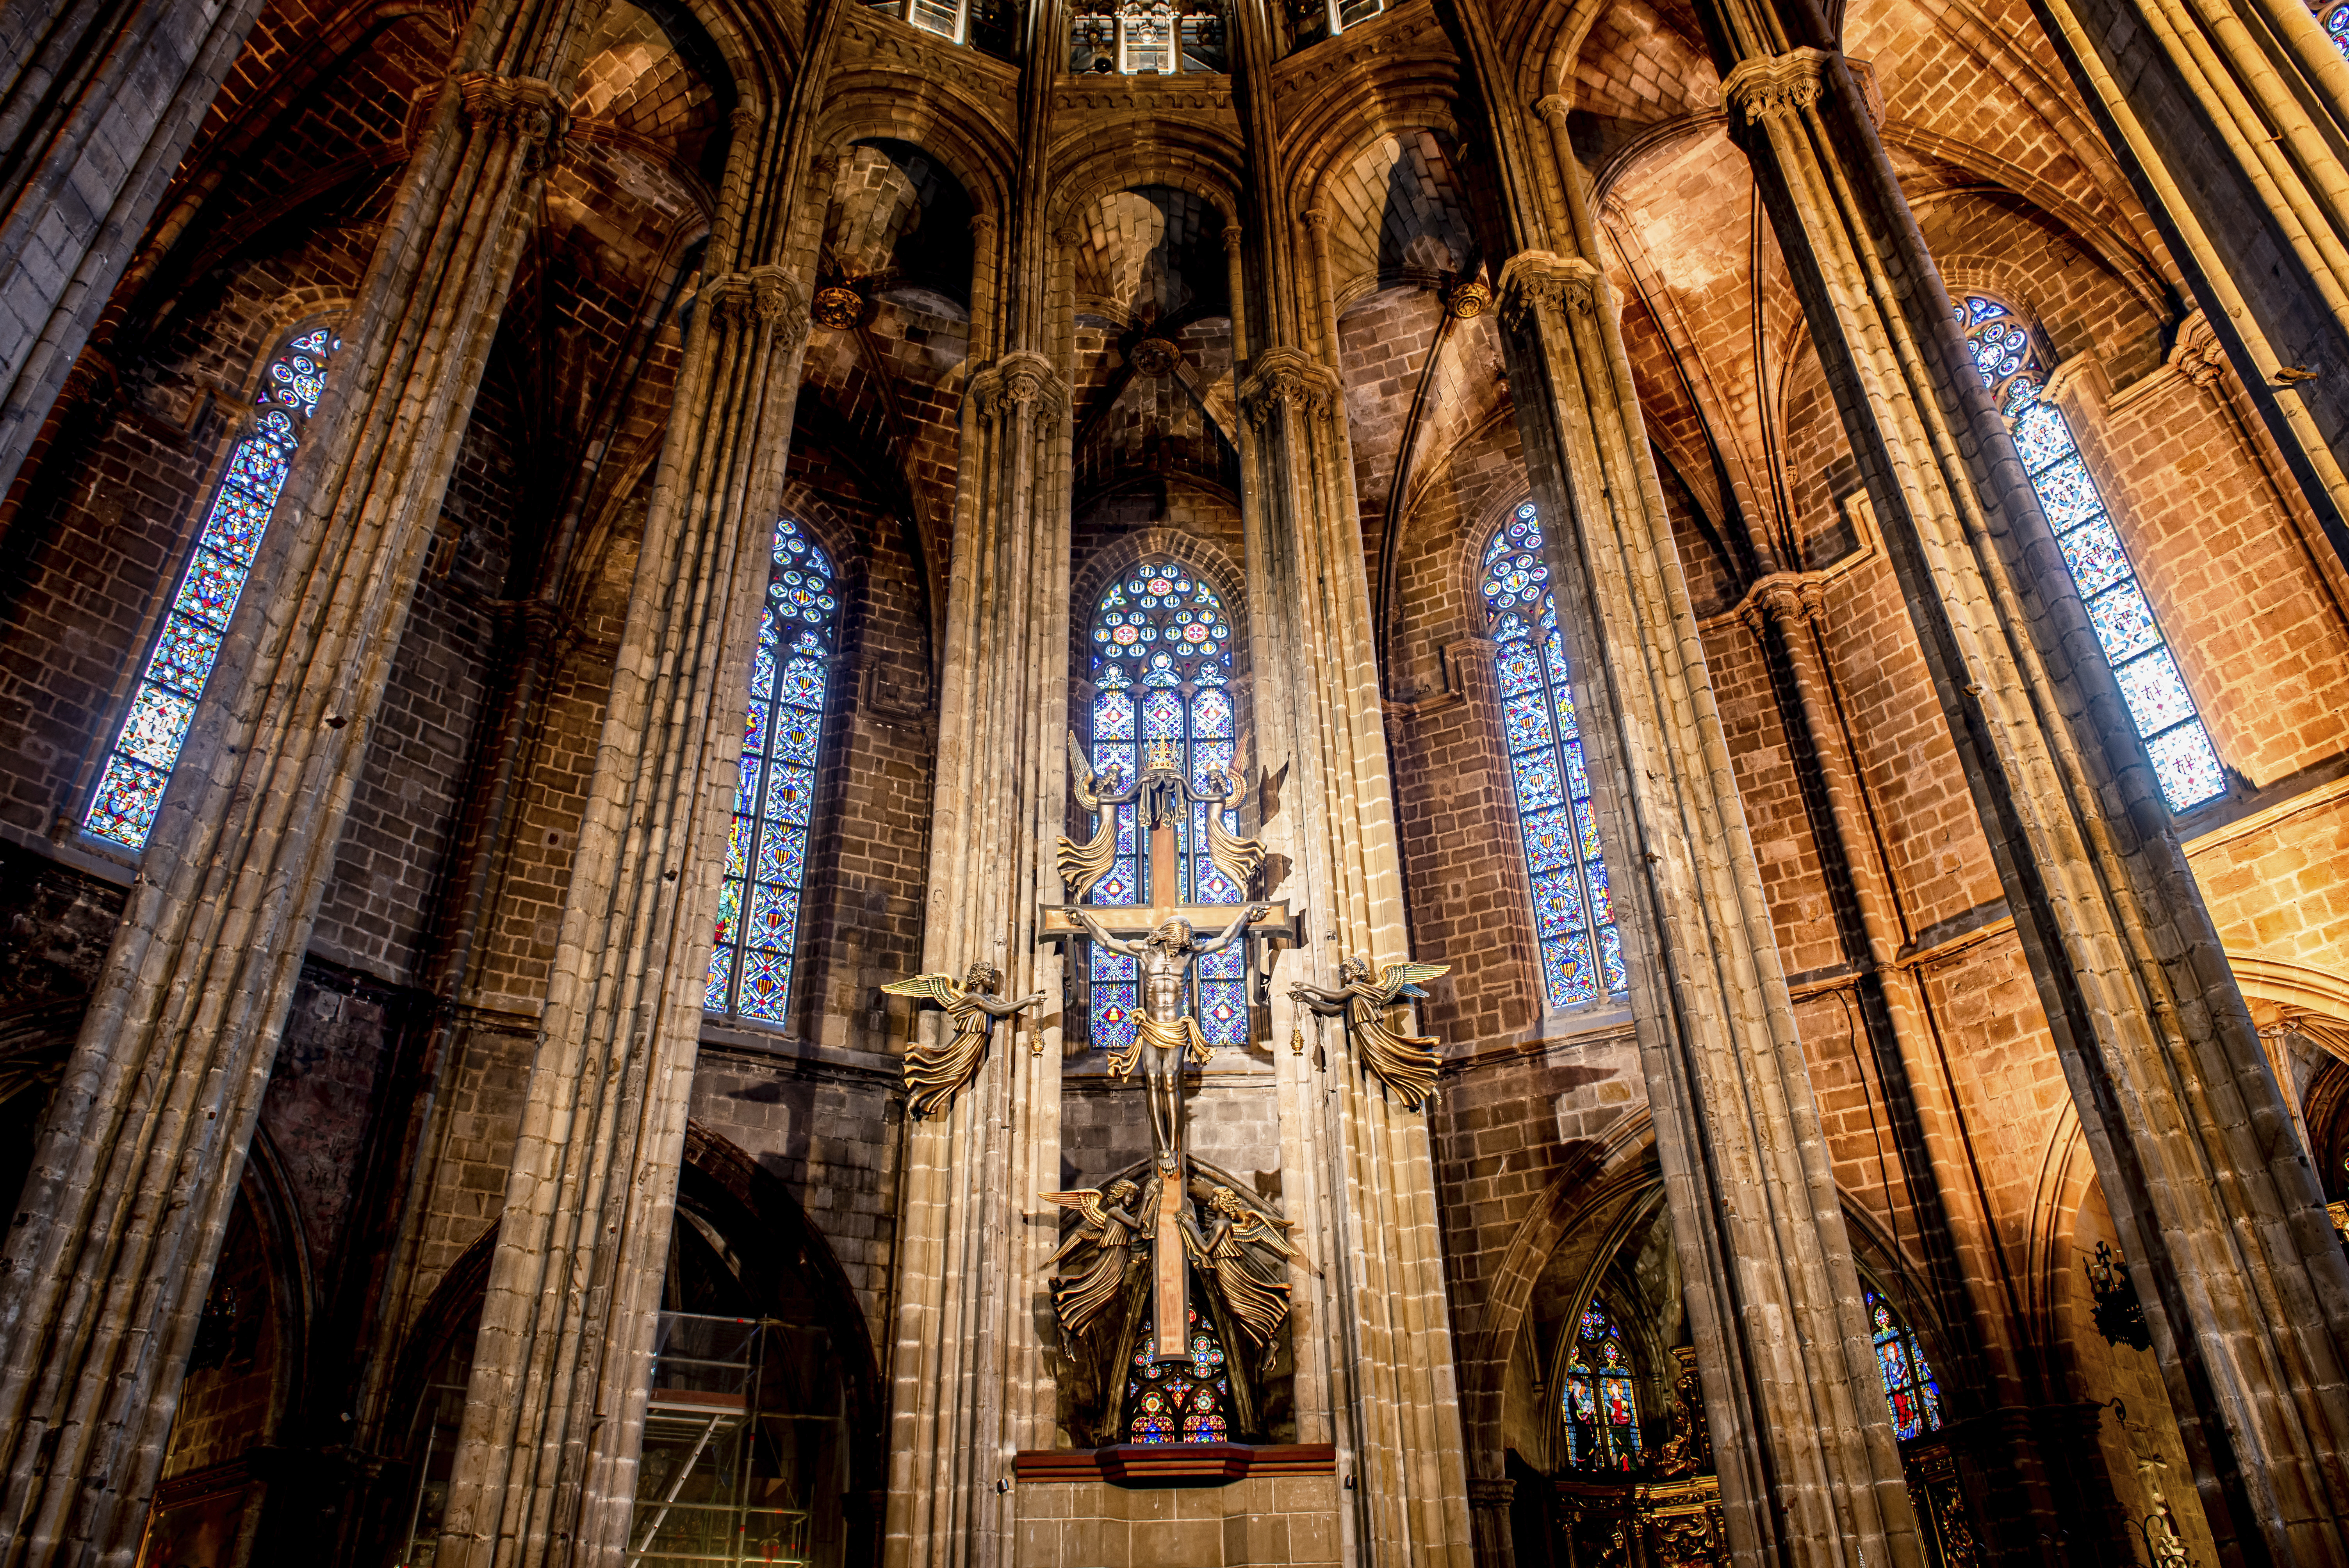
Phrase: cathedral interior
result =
(1175, 783)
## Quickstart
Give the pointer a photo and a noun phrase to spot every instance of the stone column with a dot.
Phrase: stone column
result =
(97, 105)
(2232, 122)
(139, 1159)
(2245, 1286)
(968, 1382)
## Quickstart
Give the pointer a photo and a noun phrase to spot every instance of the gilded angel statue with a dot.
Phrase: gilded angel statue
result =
(1082, 865)
(934, 1073)
(1166, 797)
(1099, 1251)
(1405, 1063)
(1245, 1257)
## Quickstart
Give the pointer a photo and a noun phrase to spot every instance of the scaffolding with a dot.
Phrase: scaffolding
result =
(714, 1484)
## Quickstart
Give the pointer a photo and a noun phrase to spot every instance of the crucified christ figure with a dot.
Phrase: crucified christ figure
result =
(1166, 1030)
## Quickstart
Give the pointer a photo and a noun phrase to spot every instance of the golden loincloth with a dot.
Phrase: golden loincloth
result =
(1183, 1034)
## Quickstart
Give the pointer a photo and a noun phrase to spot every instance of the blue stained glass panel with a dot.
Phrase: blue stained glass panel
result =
(2155, 695)
(2094, 552)
(774, 919)
(2067, 493)
(1549, 839)
(782, 853)
(746, 790)
(766, 988)
(763, 670)
(1577, 782)
(1585, 824)
(1520, 670)
(258, 468)
(1127, 818)
(1120, 886)
(184, 654)
(157, 725)
(802, 682)
(795, 737)
(1113, 716)
(1211, 715)
(2041, 437)
(2337, 28)
(1113, 1012)
(1602, 902)
(1223, 1012)
(1565, 970)
(1539, 784)
(124, 808)
(738, 846)
(236, 523)
(1554, 657)
(1558, 903)
(2124, 621)
(1208, 760)
(721, 978)
(1525, 722)
(1610, 959)
(210, 589)
(1161, 716)
(1109, 966)
(2187, 766)
(791, 794)
(754, 729)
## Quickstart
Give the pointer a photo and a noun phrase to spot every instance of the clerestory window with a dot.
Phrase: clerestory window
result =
(2158, 701)
(783, 741)
(1911, 1389)
(187, 645)
(989, 26)
(1147, 38)
(1574, 913)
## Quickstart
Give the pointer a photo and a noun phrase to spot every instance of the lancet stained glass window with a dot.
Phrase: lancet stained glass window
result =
(1161, 662)
(1574, 916)
(2164, 711)
(1600, 1407)
(782, 731)
(1909, 1384)
(1183, 1401)
(163, 704)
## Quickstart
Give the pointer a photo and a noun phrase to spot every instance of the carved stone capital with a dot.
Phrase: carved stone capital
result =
(1288, 379)
(1316, 218)
(1553, 110)
(762, 296)
(1544, 280)
(2198, 354)
(1233, 235)
(1776, 85)
(1020, 380)
(525, 108)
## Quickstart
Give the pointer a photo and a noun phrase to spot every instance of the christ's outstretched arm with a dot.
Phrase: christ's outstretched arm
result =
(1094, 929)
(1231, 933)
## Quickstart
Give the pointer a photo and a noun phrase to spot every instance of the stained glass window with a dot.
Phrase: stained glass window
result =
(2337, 27)
(782, 732)
(1178, 1402)
(1161, 662)
(1909, 1384)
(2164, 711)
(163, 704)
(1600, 1407)
(1574, 916)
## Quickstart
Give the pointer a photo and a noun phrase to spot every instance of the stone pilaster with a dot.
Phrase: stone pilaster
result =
(1374, 1349)
(97, 105)
(1811, 1473)
(139, 1159)
(2246, 1289)
(547, 1456)
(970, 1385)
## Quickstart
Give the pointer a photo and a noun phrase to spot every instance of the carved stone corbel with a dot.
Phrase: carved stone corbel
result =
(525, 108)
(1288, 379)
(1538, 280)
(1776, 85)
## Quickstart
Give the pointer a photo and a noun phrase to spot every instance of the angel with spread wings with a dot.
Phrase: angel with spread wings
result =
(934, 1073)
(1244, 1254)
(1405, 1063)
(1083, 864)
(1102, 1245)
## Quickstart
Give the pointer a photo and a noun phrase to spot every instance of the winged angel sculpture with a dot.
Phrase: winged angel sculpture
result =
(934, 1073)
(1101, 1282)
(1163, 793)
(1406, 1064)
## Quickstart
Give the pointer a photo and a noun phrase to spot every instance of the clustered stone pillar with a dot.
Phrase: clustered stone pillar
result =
(2244, 1283)
(2232, 119)
(137, 1162)
(970, 1385)
(97, 105)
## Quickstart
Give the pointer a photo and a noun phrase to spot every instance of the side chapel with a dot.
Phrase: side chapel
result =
(1164, 783)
